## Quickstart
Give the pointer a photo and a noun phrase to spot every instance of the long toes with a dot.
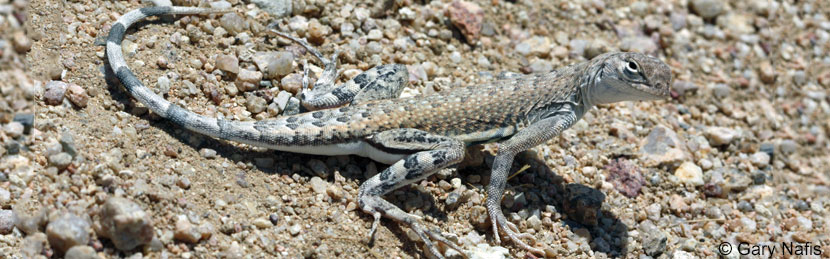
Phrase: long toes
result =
(437, 236)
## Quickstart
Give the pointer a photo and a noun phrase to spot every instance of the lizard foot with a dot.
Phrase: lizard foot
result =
(510, 229)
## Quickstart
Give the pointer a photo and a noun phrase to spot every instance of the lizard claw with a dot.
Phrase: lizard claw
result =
(501, 225)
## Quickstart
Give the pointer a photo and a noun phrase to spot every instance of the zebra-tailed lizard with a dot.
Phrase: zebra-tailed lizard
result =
(420, 135)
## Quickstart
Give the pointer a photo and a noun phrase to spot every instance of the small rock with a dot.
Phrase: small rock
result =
(21, 42)
(185, 231)
(318, 185)
(233, 23)
(262, 223)
(54, 93)
(207, 153)
(60, 160)
(625, 176)
(249, 76)
(663, 146)
(5, 197)
(282, 99)
(295, 229)
(33, 245)
(67, 231)
(319, 168)
(125, 224)
(760, 159)
(654, 240)
(25, 119)
(719, 136)
(274, 64)
(14, 129)
(67, 142)
(81, 252)
(489, 252)
(77, 95)
(639, 44)
(292, 83)
(767, 72)
(468, 18)
(227, 63)
(6, 221)
(335, 192)
(276, 8)
(256, 104)
(707, 9)
(689, 173)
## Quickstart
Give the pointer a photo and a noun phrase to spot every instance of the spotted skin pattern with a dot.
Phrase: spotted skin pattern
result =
(418, 136)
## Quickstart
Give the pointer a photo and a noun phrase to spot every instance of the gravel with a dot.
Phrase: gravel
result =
(738, 154)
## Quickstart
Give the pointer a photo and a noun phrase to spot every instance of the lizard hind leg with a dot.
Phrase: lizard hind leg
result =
(429, 153)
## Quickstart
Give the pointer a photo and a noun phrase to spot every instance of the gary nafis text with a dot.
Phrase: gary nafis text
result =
(770, 249)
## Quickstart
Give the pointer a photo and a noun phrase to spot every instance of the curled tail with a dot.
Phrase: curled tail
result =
(192, 121)
(284, 133)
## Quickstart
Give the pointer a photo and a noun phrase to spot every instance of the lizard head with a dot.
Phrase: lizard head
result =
(627, 76)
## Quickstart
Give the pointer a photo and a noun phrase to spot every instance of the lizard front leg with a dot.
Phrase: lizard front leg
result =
(537, 133)
(380, 82)
(430, 153)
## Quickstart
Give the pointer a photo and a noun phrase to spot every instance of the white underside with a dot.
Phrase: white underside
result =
(359, 148)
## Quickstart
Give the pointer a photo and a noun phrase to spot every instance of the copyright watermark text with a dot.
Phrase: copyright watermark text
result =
(770, 249)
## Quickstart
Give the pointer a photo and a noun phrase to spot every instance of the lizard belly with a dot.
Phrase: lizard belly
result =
(359, 148)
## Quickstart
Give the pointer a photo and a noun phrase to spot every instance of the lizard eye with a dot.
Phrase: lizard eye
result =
(632, 66)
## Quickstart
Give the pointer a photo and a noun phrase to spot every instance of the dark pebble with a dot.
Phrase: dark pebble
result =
(27, 119)
(802, 205)
(759, 178)
(12, 147)
(745, 206)
(274, 218)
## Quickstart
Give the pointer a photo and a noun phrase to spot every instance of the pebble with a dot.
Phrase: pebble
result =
(335, 192)
(21, 42)
(33, 246)
(639, 44)
(5, 196)
(125, 223)
(207, 153)
(295, 229)
(663, 146)
(256, 104)
(292, 83)
(719, 136)
(60, 160)
(282, 99)
(468, 18)
(81, 252)
(163, 85)
(766, 72)
(227, 63)
(77, 95)
(760, 159)
(67, 231)
(54, 92)
(318, 185)
(721, 91)
(707, 9)
(67, 142)
(319, 168)
(654, 240)
(248, 80)
(625, 176)
(262, 223)
(7, 219)
(185, 231)
(276, 8)
(25, 119)
(14, 129)
(233, 23)
(274, 64)
(689, 173)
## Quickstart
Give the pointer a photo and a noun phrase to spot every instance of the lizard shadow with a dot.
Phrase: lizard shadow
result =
(575, 206)
(284, 163)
